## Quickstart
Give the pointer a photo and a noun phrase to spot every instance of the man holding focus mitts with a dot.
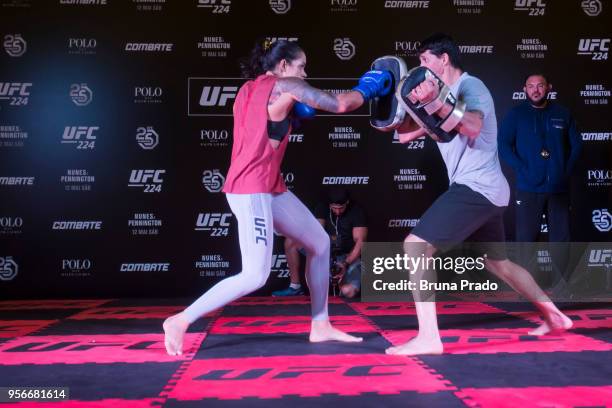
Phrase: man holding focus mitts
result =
(455, 109)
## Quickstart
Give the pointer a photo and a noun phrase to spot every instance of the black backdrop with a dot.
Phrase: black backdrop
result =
(96, 96)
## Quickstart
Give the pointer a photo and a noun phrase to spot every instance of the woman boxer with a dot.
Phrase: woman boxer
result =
(256, 192)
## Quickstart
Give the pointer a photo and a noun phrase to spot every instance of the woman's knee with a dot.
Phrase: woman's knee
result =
(257, 282)
(254, 279)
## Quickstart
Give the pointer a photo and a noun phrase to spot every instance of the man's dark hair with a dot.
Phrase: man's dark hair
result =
(439, 44)
(338, 196)
(536, 73)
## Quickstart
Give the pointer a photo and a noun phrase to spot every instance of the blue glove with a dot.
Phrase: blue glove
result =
(303, 111)
(374, 83)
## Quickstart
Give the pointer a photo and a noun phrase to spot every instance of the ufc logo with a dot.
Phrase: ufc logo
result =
(474, 339)
(601, 256)
(261, 323)
(213, 219)
(14, 88)
(370, 370)
(260, 230)
(530, 3)
(344, 2)
(42, 346)
(217, 95)
(78, 132)
(594, 44)
(73, 264)
(147, 92)
(146, 176)
(279, 261)
(82, 43)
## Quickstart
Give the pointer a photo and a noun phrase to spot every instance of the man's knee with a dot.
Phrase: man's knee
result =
(416, 246)
(349, 290)
(318, 246)
(291, 245)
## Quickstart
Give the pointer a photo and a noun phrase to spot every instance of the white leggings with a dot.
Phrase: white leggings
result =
(257, 215)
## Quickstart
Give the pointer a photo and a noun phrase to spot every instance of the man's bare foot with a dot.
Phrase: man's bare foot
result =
(174, 331)
(417, 346)
(553, 323)
(324, 331)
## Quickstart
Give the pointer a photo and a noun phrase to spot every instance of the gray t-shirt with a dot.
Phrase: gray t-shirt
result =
(476, 163)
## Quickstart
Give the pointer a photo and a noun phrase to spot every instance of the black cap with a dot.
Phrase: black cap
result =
(338, 196)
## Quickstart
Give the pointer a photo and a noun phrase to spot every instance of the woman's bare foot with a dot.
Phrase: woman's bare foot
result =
(324, 331)
(417, 346)
(174, 331)
(554, 323)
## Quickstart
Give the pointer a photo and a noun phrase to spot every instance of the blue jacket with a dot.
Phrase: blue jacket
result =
(525, 131)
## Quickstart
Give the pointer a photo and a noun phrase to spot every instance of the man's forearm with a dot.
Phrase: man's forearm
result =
(355, 253)
(409, 130)
(470, 123)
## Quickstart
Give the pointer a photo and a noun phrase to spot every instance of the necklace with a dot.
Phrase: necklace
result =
(334, 224)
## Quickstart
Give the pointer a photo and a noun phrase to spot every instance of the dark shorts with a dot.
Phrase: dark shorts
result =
(463, 215)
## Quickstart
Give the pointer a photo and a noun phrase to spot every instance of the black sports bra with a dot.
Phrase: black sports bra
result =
(278, 130)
